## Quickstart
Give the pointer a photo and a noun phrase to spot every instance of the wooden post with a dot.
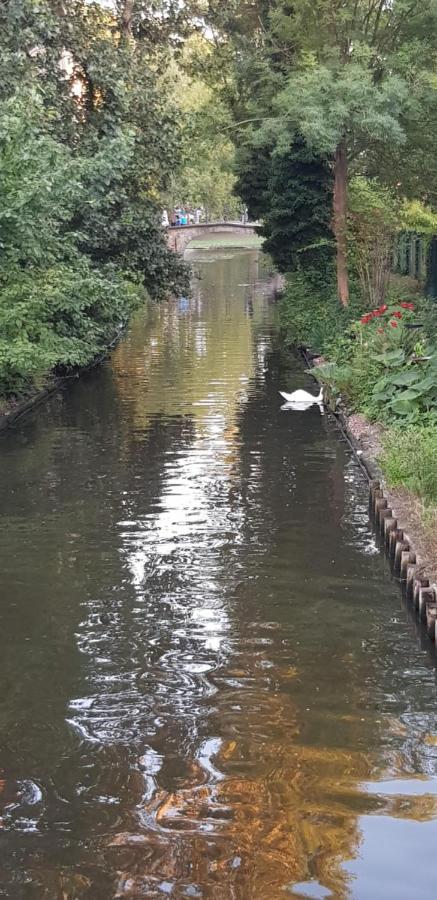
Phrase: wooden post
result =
(396, 535)
(411, 571)
(426, 598)
(380, 507)
(377, 495)
(380, 504)
(419, 583)
(407, 558)
(399, 548)
(390, 524)
(384, 514)
(431, 615)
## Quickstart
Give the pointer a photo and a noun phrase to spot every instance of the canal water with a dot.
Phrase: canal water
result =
(210, 686)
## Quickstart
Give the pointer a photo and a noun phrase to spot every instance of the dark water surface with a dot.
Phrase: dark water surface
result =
(210, 687)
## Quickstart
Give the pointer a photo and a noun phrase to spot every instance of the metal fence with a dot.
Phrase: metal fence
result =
(416, 255)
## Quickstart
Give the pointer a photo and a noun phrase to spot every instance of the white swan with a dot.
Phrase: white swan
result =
(302, 399)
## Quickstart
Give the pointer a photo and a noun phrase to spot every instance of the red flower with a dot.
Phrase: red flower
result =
(365, 319)
(407, 305)
(393, 324)
(383, 308)
(397, 314)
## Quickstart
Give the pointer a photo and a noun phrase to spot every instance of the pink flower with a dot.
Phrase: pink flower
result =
(393, 324)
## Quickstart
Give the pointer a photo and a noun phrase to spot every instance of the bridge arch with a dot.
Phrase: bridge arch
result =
(179, 236)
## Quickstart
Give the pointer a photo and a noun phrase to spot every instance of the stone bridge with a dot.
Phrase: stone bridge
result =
(179, 236)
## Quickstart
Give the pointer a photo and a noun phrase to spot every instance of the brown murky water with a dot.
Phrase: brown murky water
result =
(210, 685)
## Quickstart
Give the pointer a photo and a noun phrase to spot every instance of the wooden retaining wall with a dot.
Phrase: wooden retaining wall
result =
(405, 566)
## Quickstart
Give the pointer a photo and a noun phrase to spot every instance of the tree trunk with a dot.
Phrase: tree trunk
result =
(340, 221)
(126, 19)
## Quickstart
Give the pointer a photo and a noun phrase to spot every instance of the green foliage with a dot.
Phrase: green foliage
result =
(382, 371)
(417, 217)
(292, 193)
(56, 308)
(205, 174)
(373, 221)
(56, 318)
(310, 315)
(88, 141)
(409, 459)
(322, 101)
(356, 81)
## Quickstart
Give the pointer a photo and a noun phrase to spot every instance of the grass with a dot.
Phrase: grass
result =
(410, 459)
(228, 241)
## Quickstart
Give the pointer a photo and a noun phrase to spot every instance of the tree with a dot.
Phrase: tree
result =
(205, 175)
(88, 142)
(292, 193)
(351, 85)
(283, 182)
(347, 77)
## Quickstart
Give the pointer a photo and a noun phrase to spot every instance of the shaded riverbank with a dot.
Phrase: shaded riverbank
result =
(14, 408)
(211, 686)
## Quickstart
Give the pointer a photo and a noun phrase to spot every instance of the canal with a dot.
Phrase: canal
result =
(210, 686)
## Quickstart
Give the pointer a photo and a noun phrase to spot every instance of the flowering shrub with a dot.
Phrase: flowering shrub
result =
(385, 320)
(386, 373)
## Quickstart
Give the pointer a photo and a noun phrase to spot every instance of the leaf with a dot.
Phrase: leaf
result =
(410, 395)
(402, 406)
(404, 378)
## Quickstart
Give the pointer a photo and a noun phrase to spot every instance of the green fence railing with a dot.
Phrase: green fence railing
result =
(416, 255)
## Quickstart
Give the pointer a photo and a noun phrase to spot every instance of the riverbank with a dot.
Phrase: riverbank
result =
(415, 518)
(380, 371)
(17, 405)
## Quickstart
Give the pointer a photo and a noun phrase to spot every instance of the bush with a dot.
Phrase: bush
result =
(383, 371)
(310, 314)
(88, 141)
(57, 308)
(56, 318)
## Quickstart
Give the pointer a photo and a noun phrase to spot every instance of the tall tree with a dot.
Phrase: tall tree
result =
(88, 143)
(292, 193)
(352, 82)
(343, 75)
